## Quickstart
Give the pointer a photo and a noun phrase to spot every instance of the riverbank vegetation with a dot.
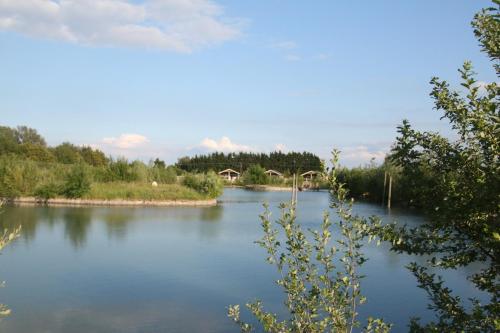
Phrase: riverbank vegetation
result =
(28, 167)
(456, 185)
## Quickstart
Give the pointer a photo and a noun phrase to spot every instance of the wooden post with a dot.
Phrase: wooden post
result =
(390, 192)
(383, 193)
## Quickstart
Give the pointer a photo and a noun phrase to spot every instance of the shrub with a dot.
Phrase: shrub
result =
(77, 182)
(208, 184)
(163, 175)
(47, 191)
(319, 275)
(254, 175)
(17, 177)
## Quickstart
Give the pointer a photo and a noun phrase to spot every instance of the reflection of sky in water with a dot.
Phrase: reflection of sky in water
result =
(173, 269)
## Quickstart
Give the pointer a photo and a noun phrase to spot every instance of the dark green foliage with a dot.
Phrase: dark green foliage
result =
(463, 202)
(159, 164)
(119, 170)
(289, 162)
(47, 191)
(17, 177)
(93, 157)
(67, 153)
(26, 135)
(208, 184)
(25, 142)
(486, 26)
(35, 152)
(77, 182)
(8, 140)
(163, 175)
(255, 175)
(364, 182)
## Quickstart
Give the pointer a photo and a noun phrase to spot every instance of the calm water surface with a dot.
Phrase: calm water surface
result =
(173, 269)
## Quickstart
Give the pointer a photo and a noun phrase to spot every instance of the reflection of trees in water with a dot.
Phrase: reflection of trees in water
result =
(49, 215)
(76, 225)
(117, 220)
(211, 213)
(27, 217)
(208, 216)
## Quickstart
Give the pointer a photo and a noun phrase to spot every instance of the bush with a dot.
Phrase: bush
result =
(47, 191)
(163, 175)
(77, 182)
(255, 175)
(17, 177)
(208, 184)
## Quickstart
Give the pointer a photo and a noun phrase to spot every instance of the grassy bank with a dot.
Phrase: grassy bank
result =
(119, 180)
(141, 191)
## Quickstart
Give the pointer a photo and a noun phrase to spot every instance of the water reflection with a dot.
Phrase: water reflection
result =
(76, 225)
(175, 269)
(117, 221)
(78, 221)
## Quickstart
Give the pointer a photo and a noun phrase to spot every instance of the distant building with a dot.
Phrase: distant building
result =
(274, 173)
(309, 179)
(229, 174)
(310, 175)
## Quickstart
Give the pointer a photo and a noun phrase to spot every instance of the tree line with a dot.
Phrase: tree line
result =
(26, 142)
(291, 162)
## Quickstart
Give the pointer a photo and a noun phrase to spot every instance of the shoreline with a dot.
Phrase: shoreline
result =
(268, 188)
(32, 201)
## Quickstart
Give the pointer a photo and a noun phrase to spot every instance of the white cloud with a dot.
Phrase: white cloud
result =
(281, 147)
(224, 145)
(286, 45)
(292, 57)
(126, 141)
(354, 156)
(173, 25)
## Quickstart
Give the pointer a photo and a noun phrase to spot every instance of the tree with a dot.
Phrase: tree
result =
(208, 184)
(159, 163)
(93, 157)
(463, 203)
(67, 153)
(77, 182)
(255, 175)
(36, 152)
(29, 135)
(8, 140)
(319, 278)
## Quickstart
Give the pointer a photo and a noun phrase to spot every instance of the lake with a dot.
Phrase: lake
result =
(175, 269)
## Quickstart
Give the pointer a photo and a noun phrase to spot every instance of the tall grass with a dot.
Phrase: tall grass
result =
(141, 191)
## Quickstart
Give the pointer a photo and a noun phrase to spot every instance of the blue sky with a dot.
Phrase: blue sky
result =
(170, 78)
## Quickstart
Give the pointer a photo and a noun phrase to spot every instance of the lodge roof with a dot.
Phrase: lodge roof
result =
(274, 172)
(311, 172)
(228, 171)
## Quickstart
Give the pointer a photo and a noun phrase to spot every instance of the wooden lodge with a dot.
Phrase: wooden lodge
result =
(274, 173)
(310, 175)
(309, 180)
(229, 175)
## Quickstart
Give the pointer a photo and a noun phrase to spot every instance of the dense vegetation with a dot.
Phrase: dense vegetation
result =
(319, 276)
(455, 183)
(283, 162)
(28, 167)
(462, 202)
